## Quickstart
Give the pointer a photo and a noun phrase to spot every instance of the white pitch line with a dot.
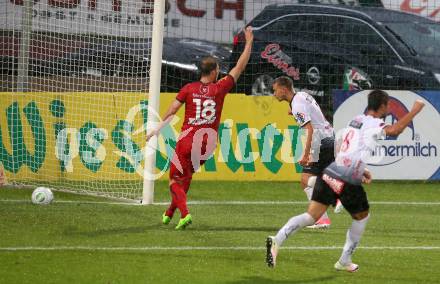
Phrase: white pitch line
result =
(226, 202)
(76, 202)
(301, 203)
(189, 248)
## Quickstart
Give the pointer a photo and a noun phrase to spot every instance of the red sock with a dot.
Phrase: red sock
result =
(173, 205)
(179, 198)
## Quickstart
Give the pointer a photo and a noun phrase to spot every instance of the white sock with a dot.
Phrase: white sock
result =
(354, 235)
(292, 226)
(308, 191)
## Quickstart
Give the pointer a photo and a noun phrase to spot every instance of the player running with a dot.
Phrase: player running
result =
(319, 147)
(203, 106)
(343, 178)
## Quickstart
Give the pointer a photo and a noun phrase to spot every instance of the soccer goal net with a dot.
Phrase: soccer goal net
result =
(75, 79)
(75, 74)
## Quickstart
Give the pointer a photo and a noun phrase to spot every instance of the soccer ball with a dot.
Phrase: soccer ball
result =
(42, 196)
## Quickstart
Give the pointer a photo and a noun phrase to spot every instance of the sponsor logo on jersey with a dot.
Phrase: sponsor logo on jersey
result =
(204, 89)
(300, 117)
(356, 124)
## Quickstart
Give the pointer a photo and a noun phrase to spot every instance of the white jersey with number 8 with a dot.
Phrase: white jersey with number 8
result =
(356, 143)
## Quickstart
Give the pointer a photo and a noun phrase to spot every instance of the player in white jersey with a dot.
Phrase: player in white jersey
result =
(319, 146)
(343, 178)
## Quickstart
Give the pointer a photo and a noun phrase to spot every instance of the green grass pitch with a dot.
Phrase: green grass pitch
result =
(83, 239)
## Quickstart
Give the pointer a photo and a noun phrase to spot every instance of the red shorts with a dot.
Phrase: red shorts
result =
(192, 151)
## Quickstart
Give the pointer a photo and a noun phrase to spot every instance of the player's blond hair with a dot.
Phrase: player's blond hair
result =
(284, 81)
(207, 65)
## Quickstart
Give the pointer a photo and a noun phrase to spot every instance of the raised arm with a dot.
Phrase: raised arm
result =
(245, 55)
(398, 127)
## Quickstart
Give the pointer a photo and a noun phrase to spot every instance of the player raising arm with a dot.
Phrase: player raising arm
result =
(343, 178)
(203, 106)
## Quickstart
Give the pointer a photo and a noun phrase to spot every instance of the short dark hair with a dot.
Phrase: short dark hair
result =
(376, 99)
(284, 81)
(207, 65)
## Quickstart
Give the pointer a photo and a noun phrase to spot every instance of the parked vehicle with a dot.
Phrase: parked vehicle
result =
(113, 57)
(180, 58)
(326, 47)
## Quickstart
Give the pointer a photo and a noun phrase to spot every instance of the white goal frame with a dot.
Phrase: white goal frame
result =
(153, 99)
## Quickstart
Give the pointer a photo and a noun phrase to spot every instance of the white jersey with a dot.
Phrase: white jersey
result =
(305, 109)
(355, 145)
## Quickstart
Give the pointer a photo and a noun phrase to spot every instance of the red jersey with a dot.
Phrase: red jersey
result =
(204, 103)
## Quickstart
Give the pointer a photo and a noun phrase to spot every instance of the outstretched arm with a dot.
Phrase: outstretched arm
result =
(399, 126)
(245, 55)
(172, 110)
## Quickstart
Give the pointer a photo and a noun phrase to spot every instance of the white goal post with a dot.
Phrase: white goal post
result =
(153, 99)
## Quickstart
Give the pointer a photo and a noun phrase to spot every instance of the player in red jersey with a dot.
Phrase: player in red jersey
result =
(203, 106)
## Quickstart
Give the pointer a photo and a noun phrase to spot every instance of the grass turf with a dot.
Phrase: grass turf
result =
(99, 225)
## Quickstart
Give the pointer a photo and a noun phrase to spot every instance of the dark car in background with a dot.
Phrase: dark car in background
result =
(326, 47)
(112, 57)
(121, 58)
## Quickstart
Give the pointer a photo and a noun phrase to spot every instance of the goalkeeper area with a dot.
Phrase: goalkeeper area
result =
(84, 239)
